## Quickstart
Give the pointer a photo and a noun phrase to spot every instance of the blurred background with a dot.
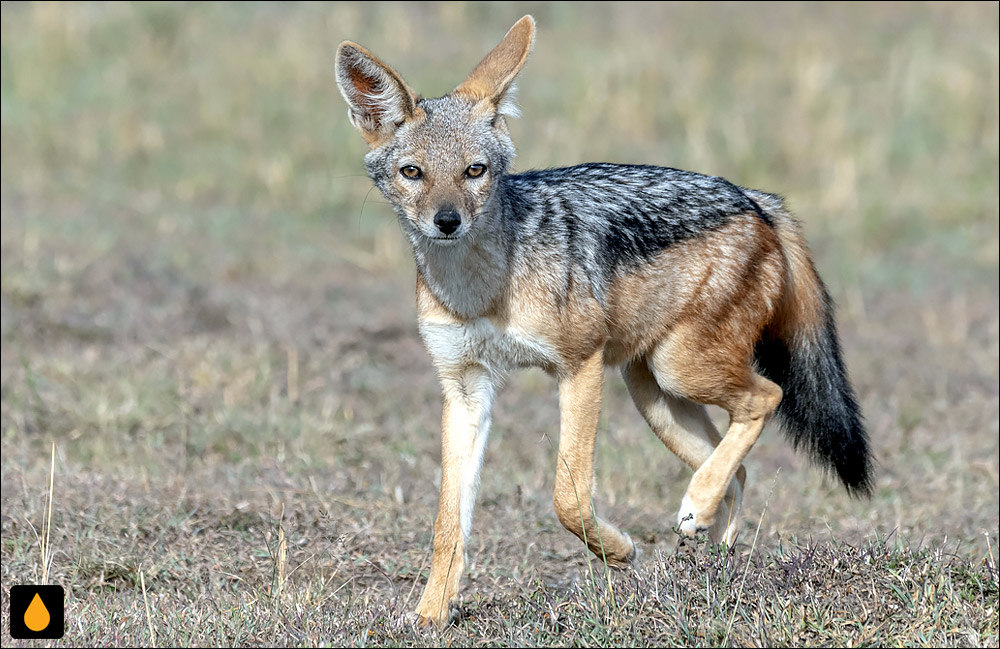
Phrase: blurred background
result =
(208, 310)
(220, 123)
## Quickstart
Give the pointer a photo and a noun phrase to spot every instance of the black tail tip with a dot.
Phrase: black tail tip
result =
(858, 475)
(861, 490)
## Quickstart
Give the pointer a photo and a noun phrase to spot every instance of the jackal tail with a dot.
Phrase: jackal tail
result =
(800, 352)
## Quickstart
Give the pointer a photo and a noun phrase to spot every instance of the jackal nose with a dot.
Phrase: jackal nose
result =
(447, 221)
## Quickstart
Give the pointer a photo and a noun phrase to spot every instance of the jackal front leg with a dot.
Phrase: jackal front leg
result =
(468, 400)
(580, 407)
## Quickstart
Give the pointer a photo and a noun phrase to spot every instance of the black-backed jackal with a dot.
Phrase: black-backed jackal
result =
(701, 291)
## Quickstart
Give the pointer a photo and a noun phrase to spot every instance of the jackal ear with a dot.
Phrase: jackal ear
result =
(379, 99)
(493, 78)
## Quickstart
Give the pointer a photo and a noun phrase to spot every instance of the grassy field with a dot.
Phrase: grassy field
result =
(210, 315)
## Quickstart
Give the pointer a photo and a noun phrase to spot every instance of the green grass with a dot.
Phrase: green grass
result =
(211, 315)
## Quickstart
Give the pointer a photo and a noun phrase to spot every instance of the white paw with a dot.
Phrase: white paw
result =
(687, 518)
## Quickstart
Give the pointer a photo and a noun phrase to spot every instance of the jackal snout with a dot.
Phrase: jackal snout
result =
(447, 220)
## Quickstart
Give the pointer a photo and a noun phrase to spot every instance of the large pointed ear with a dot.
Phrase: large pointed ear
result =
(379, 99)
(493, 78)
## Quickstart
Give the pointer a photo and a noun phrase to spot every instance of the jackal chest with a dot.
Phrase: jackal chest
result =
(499, 348)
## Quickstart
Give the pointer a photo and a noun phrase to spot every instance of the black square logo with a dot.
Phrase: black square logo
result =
(37, 612)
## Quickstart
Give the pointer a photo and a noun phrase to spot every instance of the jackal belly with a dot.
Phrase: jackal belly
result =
(481, 341)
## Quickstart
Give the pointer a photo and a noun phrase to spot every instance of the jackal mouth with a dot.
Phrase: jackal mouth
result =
(445, 240)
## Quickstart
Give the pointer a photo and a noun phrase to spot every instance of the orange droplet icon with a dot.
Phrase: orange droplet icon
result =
(37, 616)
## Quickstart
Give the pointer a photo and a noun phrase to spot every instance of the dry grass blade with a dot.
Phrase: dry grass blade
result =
(746, 569)
(586, 545)
(46, 539)
(282, 560)
(149, 616)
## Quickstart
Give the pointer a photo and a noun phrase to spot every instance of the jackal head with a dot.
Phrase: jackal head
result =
(438, 161)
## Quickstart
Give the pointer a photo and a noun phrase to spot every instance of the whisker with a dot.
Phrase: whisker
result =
(361, 213)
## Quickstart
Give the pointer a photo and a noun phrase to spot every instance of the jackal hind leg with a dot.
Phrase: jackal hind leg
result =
(713, 370)
(685, 428)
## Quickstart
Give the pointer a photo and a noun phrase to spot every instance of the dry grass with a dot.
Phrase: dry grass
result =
(210, 316)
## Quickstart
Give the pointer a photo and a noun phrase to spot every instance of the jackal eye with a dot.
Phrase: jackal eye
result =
(475, 171)
(412, 172)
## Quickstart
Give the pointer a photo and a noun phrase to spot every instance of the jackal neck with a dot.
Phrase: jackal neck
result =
(469, 277)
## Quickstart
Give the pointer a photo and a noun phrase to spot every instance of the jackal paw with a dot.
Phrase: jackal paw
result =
(434, 616)
(690, 521)
(723, 526)
(626, 558)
